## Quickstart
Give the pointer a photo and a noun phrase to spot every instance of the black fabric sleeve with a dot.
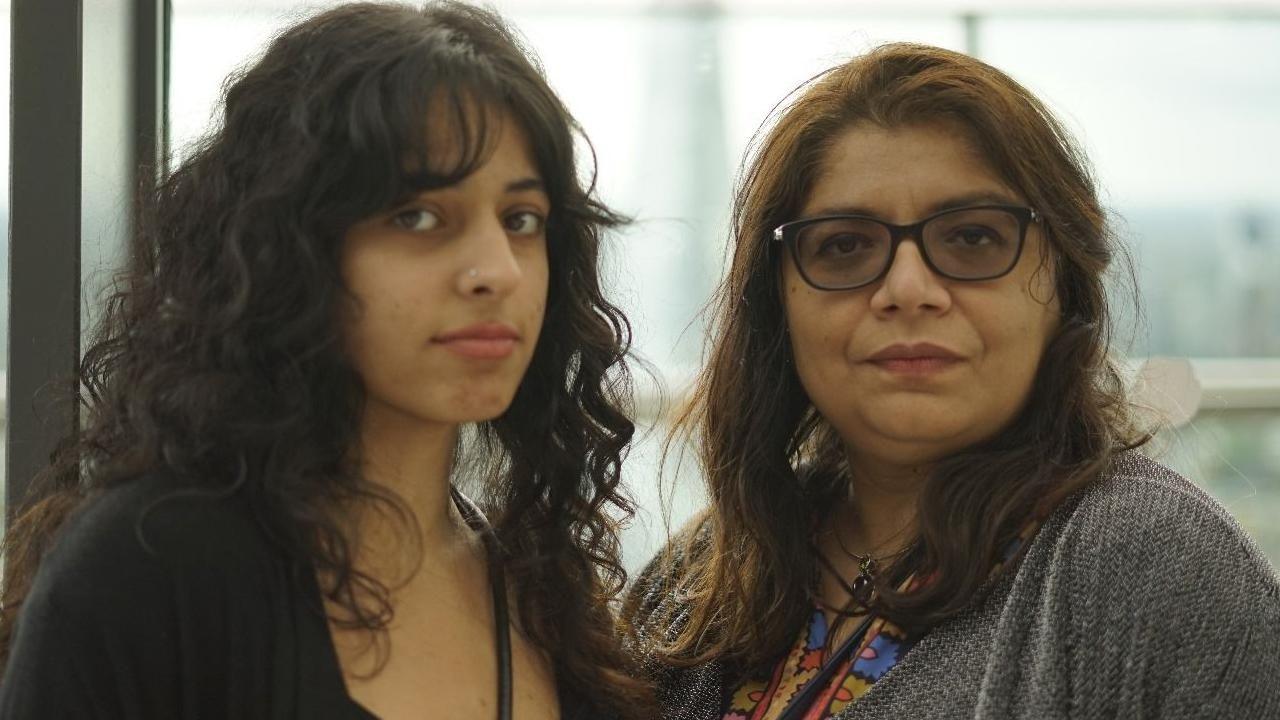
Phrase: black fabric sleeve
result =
(147, 611)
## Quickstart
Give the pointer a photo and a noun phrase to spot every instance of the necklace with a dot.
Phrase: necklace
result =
(864, 583)
(863, 587)
(497, 581)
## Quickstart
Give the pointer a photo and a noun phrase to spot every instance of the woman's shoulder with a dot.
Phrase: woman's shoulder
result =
(1137, 482)
(654, 588)
(682, 547)
(155, 595)
(1146, 593)
(150, 532)
(1140, 500)
(1148, 528)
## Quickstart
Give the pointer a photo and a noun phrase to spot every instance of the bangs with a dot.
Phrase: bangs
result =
(418, 126)
(414, 113)
(448, 135)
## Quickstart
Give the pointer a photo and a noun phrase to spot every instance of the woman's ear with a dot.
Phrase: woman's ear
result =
(1043, 284)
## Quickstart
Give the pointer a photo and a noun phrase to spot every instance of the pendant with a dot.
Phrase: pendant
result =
(863, 587)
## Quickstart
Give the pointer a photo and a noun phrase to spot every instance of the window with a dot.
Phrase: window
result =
(1181, 132)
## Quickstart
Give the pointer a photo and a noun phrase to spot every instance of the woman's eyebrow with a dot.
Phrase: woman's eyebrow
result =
(530, 183)
(983, 197)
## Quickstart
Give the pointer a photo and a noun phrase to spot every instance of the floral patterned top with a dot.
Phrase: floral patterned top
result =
(880, 648)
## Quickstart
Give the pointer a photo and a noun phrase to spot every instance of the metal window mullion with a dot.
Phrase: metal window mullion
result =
(151, 89)
(48, 199)
(44, 233)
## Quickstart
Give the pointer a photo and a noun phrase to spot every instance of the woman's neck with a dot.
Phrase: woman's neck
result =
(879, 515)
(877, 518)
(413, 461)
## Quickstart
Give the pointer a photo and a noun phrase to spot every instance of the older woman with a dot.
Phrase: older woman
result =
(925, 498)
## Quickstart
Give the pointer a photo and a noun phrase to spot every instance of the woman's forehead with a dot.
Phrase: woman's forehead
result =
(915, 169)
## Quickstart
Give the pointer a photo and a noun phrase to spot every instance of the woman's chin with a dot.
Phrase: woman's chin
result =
(911, 438)
(480, 410)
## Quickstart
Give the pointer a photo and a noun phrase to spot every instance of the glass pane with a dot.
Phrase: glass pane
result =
(768, 54)
(207, 42)
(1235, 456)
(1179, 117)
(105, 196)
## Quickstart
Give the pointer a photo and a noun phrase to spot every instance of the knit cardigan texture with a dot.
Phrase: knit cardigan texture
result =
(1139, 598)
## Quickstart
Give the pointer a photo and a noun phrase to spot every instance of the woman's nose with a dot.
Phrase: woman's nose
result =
(488, 265)
(910, 285)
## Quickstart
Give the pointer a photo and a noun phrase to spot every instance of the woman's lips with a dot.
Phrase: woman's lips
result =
(477, 349)
(917, 366)
(483, 341)
(915, 359)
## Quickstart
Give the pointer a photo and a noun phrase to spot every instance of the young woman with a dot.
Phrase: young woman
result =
(925, 501)
(383, 243)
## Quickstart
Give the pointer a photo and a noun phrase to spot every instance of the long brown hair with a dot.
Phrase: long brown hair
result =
(218, 361)
(771, 462)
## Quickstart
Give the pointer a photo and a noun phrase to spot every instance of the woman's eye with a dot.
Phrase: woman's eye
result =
(525, 222)
(417, 220)
(841, 244)
(974, 237)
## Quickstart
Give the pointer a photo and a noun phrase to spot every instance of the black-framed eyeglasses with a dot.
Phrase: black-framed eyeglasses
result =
(843, 252)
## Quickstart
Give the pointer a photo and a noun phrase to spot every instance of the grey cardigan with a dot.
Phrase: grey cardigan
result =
(1140, 598)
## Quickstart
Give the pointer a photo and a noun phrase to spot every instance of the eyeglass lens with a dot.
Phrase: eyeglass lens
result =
(968, 244)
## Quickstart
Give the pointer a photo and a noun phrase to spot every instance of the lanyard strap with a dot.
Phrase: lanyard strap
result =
(497, 581)
(800, 704)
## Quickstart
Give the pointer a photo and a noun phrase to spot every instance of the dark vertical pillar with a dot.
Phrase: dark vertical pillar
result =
(44, 232)
(88, 137)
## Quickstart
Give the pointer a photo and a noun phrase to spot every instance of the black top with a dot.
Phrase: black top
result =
(184, 611)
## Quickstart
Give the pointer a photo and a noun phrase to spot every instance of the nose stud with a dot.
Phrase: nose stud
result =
(473, 273)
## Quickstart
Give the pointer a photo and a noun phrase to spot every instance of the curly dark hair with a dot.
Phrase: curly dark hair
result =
(218, 360)
(773, 463)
